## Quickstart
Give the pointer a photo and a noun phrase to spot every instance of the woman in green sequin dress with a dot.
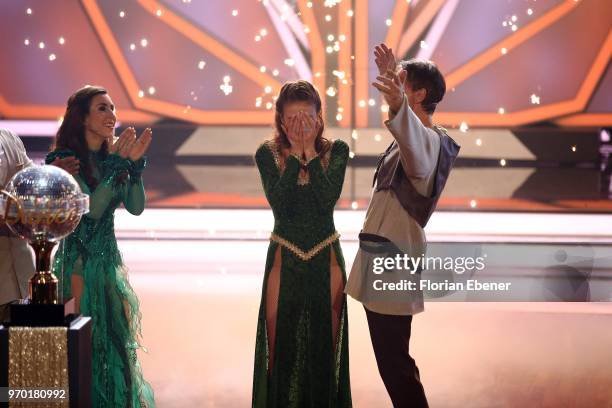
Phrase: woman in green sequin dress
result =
(301, 351)
(109, 172)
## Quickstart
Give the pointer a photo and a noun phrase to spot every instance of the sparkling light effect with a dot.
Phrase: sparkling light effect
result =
(226, 88)
(339, 74)
(331, 3)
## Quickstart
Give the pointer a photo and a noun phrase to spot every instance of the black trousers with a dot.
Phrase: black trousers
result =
(390, 336)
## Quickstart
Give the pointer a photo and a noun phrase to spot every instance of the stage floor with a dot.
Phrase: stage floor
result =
(200, 284)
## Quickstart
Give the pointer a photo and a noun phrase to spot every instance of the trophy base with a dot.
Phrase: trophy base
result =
(24, 313)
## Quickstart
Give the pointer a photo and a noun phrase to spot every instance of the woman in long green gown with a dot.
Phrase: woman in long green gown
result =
(109, 172)
(301, 352)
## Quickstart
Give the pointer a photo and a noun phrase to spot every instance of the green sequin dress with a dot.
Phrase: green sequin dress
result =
(310, 367)
(91, 251)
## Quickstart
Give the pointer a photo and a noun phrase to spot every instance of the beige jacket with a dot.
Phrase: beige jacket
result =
(385, 216)
(16, 257)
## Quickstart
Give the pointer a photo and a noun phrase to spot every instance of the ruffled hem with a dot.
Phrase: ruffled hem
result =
(109, 299)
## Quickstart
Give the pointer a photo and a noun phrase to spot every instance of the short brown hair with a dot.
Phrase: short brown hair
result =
(425, 74)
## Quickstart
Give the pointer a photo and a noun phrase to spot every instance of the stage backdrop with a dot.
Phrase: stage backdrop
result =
(507, 62)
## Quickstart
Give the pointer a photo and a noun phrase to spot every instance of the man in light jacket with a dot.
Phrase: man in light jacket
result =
(16, 258)
(408, 182)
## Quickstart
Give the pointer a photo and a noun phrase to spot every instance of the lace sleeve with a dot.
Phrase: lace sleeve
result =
(134, 197)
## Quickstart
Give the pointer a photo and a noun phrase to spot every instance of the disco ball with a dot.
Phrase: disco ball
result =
(43, 203)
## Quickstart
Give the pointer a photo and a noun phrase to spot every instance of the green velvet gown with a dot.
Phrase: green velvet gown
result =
(310, 367)
(91, 251)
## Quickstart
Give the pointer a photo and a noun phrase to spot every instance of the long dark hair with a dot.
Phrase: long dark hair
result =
(71, 134)
(299, 91)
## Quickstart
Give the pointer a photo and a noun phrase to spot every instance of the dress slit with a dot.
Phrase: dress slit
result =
(272, 294)
(336, 290)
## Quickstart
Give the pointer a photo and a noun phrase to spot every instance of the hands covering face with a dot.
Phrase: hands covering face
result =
(128, 146)
(301, 130)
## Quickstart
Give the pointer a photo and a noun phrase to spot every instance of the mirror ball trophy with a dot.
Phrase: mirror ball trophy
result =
(43, 204)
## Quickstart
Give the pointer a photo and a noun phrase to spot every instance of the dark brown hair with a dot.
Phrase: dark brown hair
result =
(425, 74)
(71, 134)
(299, 91)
